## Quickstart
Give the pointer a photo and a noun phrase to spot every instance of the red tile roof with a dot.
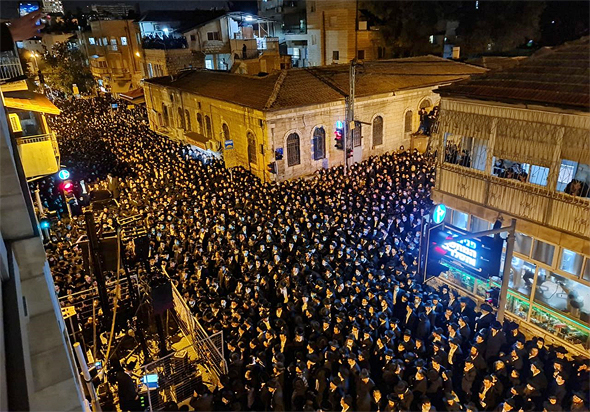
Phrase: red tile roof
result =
(557, 77)
(317, 85)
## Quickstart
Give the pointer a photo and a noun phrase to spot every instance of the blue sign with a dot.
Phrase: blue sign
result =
(64, 174)
(339, 125)
(229, 144)
(439, 213)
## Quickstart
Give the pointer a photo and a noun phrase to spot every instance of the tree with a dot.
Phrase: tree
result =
(64, 66)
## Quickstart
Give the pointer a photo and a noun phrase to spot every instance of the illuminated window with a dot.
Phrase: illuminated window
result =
(562, 294)
(123, 41)
(522, 274)
(523, 243)
(571, 262)
(91, 40)
(460, 219)
(543, 252)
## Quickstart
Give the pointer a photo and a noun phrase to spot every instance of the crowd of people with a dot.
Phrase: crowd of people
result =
(314, 282)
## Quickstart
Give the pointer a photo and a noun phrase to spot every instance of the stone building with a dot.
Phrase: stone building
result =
(114, 49)
(516, 144)
(252, 120)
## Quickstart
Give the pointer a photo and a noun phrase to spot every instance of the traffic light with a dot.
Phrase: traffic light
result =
(272, 167)
(68, 188)
(338, 135)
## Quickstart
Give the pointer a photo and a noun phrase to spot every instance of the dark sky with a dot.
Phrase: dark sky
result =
(8, 8)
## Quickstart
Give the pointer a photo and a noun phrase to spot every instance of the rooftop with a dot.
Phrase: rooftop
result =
(558, 77)
(318, 85)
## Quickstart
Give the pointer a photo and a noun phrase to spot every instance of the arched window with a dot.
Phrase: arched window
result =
(165, 114)
(319, 143)
(251, 148)
(208, 126)
(408, 122)
(378, 131)
(200, 123)
(225, 130)
(425, 104)
(180, 118)
(187, 115)
(293, 150)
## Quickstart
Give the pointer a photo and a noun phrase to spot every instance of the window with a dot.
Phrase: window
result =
(523, 243)
(312, 6)
(335, 55)
(361, 55)
(431, 39)
(91, 40)
(538, 175)
(565, 295)
(105, 42)
(251, 148)
(114, 44)
(180, 118)
(213, 35)
(465, 151)
(567, 171)
(123, 41)
(571, 262)
(543, 252)
(225, 131)
(208, 127)
(587, 270)
(200, 123)
(522, 274)
(293, 150)
(408, 122)
(187, 115)
(378, 131)
(209, 64)
(479, 225)
(319, 143)
(460, 219)
(357, 134)
(193, 37)
(425, 104)
(165, 114)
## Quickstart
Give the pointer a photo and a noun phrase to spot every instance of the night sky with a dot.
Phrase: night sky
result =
(8, 8)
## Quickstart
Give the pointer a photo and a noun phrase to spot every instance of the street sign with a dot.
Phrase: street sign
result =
(64, 174)
(439, 213)
(68, 311)
(229, 144)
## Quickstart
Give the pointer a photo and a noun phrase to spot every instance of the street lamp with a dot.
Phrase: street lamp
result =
(34, 55)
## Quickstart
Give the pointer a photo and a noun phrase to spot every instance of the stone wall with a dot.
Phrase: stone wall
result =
(173, 60)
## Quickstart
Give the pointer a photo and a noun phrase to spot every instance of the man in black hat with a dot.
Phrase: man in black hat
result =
(485, 319)
(495, 341)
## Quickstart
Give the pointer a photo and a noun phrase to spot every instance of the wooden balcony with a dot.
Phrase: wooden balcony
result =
(535, 203)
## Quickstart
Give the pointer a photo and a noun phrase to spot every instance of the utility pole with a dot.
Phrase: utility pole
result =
(94, 256)
(348, 138)
(506, 271)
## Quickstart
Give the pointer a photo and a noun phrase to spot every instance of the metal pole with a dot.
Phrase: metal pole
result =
(506, 271)
(87, 378)
(345, 131)
(94, 255)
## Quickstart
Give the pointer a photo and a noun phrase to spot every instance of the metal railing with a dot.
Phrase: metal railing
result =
(40, 138)
(10, 66)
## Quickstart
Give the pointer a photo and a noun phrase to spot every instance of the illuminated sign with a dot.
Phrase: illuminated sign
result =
(64, 174)
(478, 256)
(439, 213)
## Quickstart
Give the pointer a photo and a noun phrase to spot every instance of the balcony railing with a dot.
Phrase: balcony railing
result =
(40, 138)
(10, 66)
(531, 202)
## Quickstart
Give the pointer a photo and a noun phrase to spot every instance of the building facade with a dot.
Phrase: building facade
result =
(53, 6)
(114, 52)
(288, 120)
(516, 144)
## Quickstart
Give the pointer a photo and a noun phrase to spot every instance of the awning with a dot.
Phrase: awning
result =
(197, 139)
(26, 100)
(134, 96)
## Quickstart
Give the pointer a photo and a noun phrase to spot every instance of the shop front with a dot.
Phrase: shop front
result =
(548, 289)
